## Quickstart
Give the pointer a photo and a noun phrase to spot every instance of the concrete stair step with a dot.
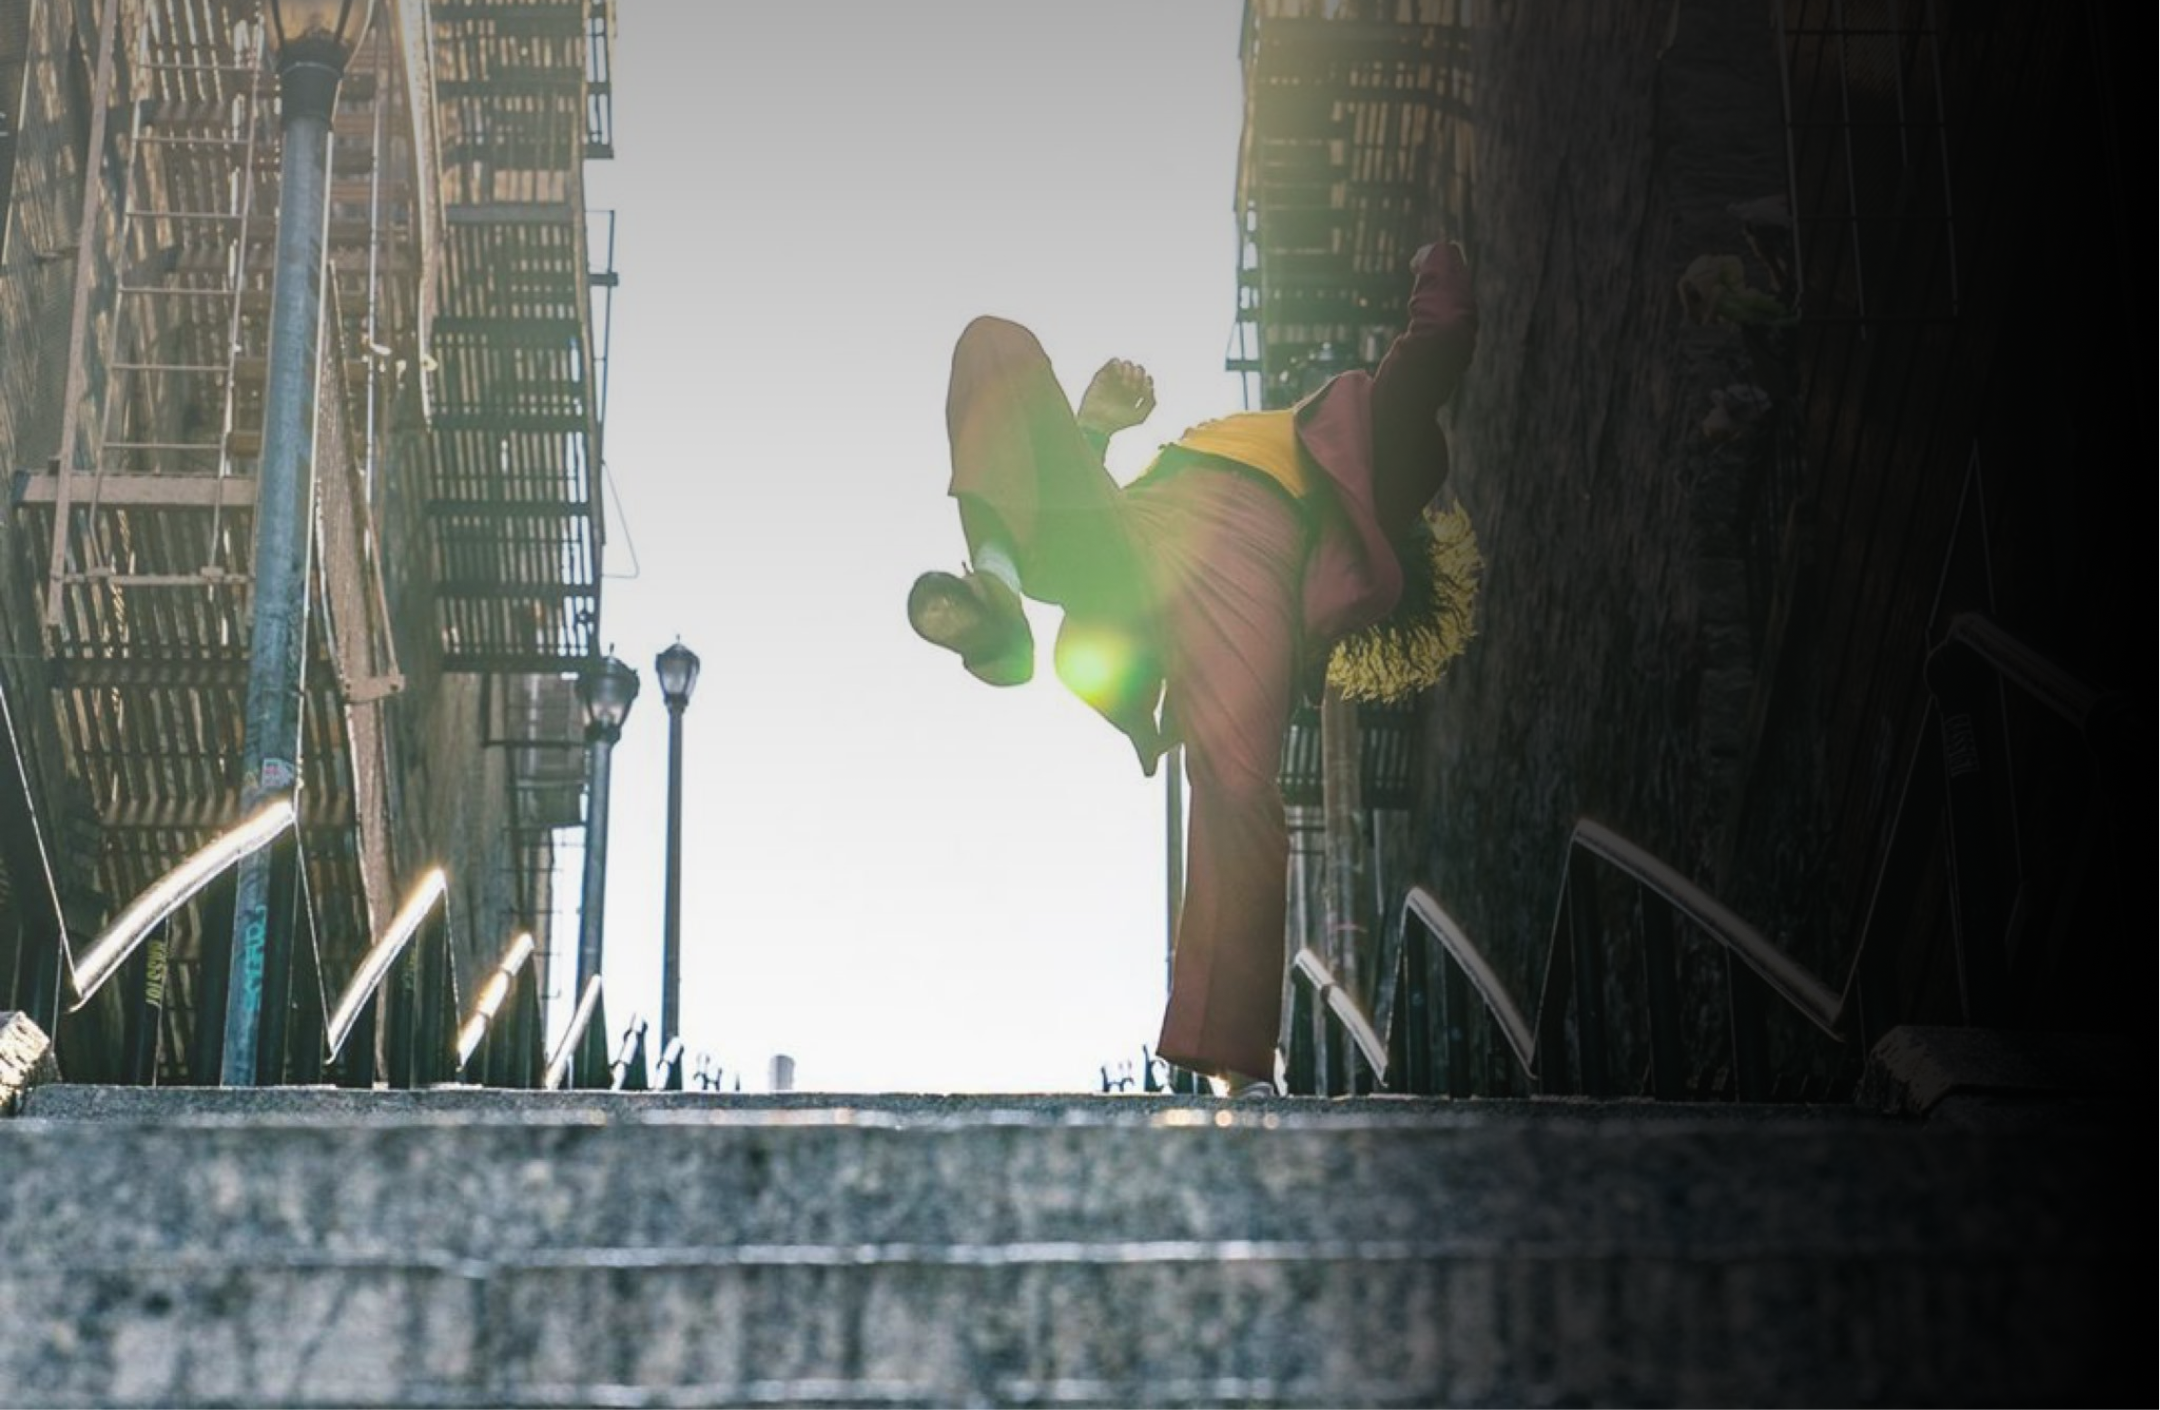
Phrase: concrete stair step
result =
(455, 1247)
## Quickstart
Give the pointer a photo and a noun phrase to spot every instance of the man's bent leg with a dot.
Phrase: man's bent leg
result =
(1027, 480)
(1230, 624)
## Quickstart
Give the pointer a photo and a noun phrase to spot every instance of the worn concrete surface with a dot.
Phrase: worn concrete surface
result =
(434, 1249)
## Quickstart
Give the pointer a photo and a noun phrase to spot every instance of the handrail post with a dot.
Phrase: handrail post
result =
(1745, 993)
(1956, 679)
(274, 1013)
(143, 984)
(42, 956)
(1586, 924)
(1411, 1032)
(1455, 1016)
(1668, 1079)
(403, 1000)
(208, 1057)
(1301, 1063)
(1551, 1039)
(521, 1044)
(590, 1072)
(354, 1065)
(567, 1065)
(1873, 980)
(627, 1072)
(667, 1072)
(310, 1012)
(431, 980)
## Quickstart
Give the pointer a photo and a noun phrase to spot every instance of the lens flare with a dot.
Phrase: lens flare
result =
(1109, 667)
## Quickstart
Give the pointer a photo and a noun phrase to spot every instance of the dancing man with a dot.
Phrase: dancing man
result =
(1256, 552)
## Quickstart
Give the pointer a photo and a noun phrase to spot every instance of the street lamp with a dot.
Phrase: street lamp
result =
(677, 669)
(605, 690)
(313, 39)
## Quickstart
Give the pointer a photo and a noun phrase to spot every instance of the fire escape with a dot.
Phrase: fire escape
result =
(1357, 150)
(512, 516)
(456, 356)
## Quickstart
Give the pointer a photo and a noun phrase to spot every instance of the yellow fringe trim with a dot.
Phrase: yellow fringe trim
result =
(1412, 647)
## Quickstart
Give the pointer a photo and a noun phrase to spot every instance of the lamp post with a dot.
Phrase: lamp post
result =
(313, 40)
(676, 669)
(605, 690)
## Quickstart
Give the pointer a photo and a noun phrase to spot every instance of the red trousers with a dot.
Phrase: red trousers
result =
(1208, 560)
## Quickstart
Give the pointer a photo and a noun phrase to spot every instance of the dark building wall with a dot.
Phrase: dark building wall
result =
(1719, 549)
(1615, 651)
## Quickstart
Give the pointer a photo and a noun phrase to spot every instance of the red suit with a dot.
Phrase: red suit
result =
(1237, 587)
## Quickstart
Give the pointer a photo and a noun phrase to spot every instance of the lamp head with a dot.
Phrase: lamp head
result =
(677, 670)
(605, 690)
(323, 30)
(312, 40)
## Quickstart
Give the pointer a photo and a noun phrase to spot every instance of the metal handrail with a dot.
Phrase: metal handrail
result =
(627, 1070)
(2019, 664)
(667, 1072)
(175, 889)
(1747, 950)
(1340, 1002)
(1455, 942)
(375, 965)
(559, 1061)
(1830, 1011)
(1815, 1000)
(492, 994)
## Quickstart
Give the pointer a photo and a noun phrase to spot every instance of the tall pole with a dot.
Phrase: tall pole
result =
(671, 941)
(599, 749)
(308, 76)
(677, 671)
(606, 690)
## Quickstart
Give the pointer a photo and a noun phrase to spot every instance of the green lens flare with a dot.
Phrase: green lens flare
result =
(1098, 664)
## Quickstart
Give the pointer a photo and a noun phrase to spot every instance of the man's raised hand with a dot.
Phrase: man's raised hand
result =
(1122, 394)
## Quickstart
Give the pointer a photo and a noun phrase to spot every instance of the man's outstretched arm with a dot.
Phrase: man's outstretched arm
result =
(1121, 394)
(1418, 376)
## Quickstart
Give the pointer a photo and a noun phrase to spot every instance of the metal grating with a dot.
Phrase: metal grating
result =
(1357, 150)
(148, 512)
(514, 507)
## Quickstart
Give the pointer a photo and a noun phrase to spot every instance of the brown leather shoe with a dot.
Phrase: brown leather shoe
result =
(979, 617)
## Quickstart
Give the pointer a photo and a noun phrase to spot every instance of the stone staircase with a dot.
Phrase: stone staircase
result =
(459, 1247)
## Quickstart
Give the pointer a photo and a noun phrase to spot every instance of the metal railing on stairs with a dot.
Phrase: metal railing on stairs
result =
(1450, 1015)
(1443, 1036)
(134, 942)
(2015, 888)
(499, 1042)
(581, 1055)
(412, 957)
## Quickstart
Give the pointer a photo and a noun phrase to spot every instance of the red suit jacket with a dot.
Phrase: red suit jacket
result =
(1376, 438)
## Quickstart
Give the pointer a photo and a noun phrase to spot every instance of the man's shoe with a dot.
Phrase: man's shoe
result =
(978, 616)
(1239, 1087)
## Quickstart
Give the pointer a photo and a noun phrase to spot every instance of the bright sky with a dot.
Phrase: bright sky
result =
(902, 878)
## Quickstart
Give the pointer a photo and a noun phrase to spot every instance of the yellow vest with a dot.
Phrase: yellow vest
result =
(1265, 441)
